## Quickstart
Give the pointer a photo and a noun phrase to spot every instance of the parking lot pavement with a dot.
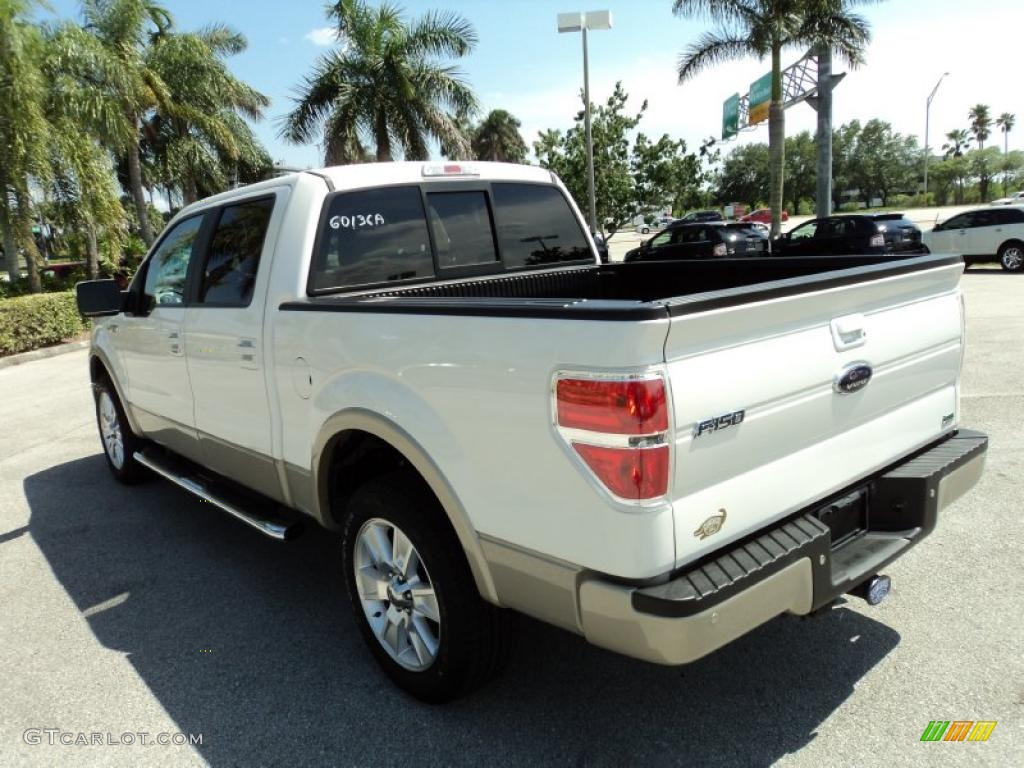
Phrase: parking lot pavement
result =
(140, 609)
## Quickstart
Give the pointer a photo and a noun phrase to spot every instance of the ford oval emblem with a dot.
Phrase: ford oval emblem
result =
(852, 378)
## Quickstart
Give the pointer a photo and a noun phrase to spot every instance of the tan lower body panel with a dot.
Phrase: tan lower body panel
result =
(610, 621)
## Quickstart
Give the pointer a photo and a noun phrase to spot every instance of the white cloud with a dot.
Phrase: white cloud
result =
(322, 36)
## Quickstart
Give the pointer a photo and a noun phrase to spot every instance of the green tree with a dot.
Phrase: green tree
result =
(199, 137)
(22, 123)
(744, 176)
(123, 29)
(629, 179)
(387, 85)
(1005, 123)
(844, 143)
(801, 169)
(83, 187)
(981, 127)
(498, 138)
(958, 142)
(883, 162)
(764, 28)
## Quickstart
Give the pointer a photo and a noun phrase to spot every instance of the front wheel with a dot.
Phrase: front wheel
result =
(1011, 257)
(413, 594)
(644, 230)
(119, 442)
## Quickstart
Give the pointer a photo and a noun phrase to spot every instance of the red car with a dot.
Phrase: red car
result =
(763, 215)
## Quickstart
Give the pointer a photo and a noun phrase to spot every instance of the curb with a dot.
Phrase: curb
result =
(41, 354)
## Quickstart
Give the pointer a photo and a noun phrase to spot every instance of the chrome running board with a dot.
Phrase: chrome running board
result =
(236, 503)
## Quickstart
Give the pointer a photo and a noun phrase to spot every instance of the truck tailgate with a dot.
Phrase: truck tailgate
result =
(777, 359)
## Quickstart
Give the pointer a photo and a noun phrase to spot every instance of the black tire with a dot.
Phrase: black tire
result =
(1011, 256)
(644, 230)
(125, 468)
(474, 636)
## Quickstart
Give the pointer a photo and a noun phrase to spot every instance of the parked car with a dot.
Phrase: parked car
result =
(695, 216)
(886, 233)
(429, 360)
(1017, 198)
(702, 241)
(655, 226)
(764, 216)
(984, 234)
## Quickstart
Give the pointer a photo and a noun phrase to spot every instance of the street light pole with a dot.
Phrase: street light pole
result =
(927, 118)
(591, 195)
(582, 22)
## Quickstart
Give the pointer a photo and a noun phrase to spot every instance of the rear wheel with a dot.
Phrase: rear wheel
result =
(413, 594)
(1011, 257)
(119, 442)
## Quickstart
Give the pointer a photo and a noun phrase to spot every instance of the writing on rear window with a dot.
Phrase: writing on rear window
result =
(356, 221)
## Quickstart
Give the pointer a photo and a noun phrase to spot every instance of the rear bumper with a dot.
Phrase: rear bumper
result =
(791, 567)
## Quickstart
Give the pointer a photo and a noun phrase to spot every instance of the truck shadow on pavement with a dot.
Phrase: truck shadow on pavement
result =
(251, 643)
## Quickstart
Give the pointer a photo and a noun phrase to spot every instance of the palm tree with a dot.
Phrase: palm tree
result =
(763, 28)
(1005, 123)
(198, 136)
(385, 86)
(123, 29)
(959, 141)
(498, 138)
(981, 123)
(84, 118)
(23, 155)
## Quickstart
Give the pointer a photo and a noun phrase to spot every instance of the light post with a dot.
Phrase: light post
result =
(927, 116)
(580, 21)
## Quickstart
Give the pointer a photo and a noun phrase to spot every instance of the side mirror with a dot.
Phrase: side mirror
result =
(99, 298)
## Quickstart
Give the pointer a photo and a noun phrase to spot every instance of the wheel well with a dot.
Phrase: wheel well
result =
(353, 458)
(1008, 243)
(97, 370)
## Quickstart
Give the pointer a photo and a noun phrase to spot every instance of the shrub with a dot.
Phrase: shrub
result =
(38, 320)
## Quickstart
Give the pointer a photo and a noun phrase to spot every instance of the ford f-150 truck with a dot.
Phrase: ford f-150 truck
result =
(431, 360)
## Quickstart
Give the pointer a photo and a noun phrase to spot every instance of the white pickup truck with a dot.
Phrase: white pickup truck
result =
(430, 360)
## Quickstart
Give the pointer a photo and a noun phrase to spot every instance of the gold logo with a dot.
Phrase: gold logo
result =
(711, 526)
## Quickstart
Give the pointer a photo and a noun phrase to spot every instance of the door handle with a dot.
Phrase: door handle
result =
(112, 327)
(175, 344)
(247, 353)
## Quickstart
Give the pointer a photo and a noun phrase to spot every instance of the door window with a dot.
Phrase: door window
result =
(234, 254)
(1008, 216)
(168, 266)
(461, 225)
(804, 231)
(664, 238)
(962, 221)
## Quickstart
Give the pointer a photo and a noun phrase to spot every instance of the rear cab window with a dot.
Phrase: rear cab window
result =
(411, 233)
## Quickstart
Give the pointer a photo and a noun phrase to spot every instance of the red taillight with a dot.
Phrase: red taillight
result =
(632, 407)
(629, 473)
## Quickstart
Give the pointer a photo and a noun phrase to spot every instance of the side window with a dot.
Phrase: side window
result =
(983, 219)
(536, 226)
(804, 231)
(229, 274)
(958, 222)
(373, 236)
(167, 268)
(1008, 216)
(461, 224)
(664, 238)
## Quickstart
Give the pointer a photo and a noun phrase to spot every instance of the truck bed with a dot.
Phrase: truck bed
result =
(636, 291)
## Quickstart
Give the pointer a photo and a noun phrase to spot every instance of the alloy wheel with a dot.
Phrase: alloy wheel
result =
(110, 430)
(396, 594)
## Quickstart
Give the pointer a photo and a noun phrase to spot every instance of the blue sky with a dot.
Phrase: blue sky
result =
(522, 64)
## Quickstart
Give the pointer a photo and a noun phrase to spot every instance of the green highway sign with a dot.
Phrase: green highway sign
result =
(760, 99)
(731, 116)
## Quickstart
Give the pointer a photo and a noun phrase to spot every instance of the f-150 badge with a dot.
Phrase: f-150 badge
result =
(711, 526)
(707, 426)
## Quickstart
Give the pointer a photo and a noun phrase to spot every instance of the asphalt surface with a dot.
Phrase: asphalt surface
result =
(143, 610)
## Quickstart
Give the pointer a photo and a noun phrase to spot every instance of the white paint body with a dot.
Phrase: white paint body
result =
(475, 392)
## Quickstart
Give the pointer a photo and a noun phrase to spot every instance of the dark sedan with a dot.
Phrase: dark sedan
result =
(702, 241)
(853, 234)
